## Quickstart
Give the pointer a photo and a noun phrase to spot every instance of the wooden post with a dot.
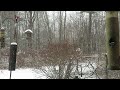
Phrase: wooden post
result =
(12, 58)
(112, 40)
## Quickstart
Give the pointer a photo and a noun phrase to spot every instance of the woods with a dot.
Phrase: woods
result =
(62, 44)
(55, 28)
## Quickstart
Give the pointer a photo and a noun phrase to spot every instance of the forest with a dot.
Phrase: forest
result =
(60, 44)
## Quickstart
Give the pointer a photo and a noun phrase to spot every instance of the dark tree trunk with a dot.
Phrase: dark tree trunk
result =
(112, 39)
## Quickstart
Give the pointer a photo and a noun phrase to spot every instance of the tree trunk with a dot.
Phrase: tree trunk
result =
(112, 40)
(89, 33)
(60, 27)
(65, 26)
(31, 28)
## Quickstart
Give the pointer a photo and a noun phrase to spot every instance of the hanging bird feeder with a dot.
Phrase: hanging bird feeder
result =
(12, 57)
(28, 32)
(2, 37)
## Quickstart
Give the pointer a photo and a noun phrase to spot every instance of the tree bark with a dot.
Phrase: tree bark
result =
(112, 40)
(89, 33)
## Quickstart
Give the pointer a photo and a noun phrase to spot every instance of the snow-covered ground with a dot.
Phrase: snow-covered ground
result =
(21, 74)
(30, 73)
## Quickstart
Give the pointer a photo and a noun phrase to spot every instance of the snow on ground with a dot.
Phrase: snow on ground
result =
(30, 73)
(21, 74)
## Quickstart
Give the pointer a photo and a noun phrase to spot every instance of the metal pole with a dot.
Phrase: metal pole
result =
(81, 70)
(10, 74)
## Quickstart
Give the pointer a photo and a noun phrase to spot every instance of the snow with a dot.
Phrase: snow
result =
(13, 43)
(28, 30)
(21, 74)
(31, 73)
(2, 28)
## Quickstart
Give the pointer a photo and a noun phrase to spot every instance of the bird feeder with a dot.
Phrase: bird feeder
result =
(2, 37)
(12, 58)
(28, 33)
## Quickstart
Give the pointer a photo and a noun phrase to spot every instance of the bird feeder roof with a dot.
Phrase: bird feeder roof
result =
(28, 31)
(13, 43)
(2, 29)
